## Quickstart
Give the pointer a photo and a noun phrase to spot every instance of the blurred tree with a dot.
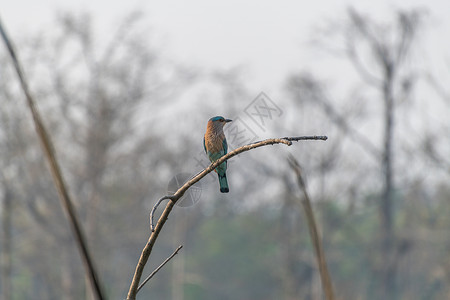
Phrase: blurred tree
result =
(433, 147)
(390, 58)
(100, 100)
(378, 52)
(6, 253)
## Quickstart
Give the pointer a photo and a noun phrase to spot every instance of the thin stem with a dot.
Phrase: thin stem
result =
(320, 255)
(152, 228)
(159, 267)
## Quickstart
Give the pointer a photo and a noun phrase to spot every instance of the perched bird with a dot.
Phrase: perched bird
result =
(216, 146)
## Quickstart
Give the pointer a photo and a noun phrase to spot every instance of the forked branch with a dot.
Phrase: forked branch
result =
(155, 230)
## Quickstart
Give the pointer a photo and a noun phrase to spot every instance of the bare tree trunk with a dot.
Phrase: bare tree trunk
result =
(388, 269)
(6, 259)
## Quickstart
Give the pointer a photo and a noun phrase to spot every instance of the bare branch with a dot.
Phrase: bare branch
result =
(148, 250)
(286, 140)
(159, 267)
(155, 207)
(361, 25)
(320, 255)
(439, 88)
(355, 59)
(309, 86)
(408, 23)
(132, 292)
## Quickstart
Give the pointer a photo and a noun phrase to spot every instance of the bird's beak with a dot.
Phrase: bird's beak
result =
(228, 120)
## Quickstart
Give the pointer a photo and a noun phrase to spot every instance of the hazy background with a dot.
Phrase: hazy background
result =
(126, 89)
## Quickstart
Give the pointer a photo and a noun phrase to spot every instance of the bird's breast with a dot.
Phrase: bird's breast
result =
(214, 142)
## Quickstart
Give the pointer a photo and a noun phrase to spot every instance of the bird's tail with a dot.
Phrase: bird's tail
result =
(223, 183)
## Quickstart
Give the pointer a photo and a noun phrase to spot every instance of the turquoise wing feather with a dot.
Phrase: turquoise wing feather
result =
(204, 145)
(225, 146)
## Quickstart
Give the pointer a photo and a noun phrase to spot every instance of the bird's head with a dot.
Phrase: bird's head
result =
(219, 121)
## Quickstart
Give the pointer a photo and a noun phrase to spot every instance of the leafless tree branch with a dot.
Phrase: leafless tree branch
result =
(286, 140)
(306, 85)
(355, 59)
(178, 194)
(159, 267)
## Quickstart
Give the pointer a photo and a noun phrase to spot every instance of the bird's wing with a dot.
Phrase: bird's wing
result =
(225, 146)
(204, 145)
(225, 149)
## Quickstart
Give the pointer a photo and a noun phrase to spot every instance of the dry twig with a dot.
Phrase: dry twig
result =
(159, 267)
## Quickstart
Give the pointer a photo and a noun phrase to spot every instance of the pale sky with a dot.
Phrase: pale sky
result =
(269, 38)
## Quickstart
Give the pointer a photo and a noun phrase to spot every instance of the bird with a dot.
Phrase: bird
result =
(216, 146)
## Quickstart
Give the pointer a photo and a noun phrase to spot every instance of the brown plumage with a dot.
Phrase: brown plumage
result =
(214, 137)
